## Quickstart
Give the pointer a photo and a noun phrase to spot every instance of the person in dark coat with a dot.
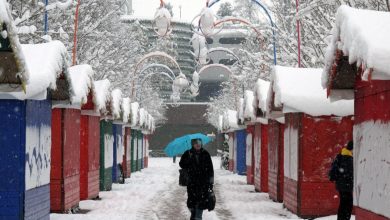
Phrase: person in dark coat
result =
(342, 173)
(201, 177)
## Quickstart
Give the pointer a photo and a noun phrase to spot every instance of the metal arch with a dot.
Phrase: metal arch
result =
(156, 73)
(150, 75)
(148, 56)
(247, 23)
(268, 15)
(157, 65)
(155, 54)
(222, 49)
(215, 65)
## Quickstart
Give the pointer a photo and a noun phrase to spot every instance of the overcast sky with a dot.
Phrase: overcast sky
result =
(190, 8)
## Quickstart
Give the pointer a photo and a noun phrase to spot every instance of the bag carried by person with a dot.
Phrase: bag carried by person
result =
(211, 200)
(183, 177)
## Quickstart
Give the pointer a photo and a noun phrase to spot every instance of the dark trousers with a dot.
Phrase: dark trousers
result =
(196, 214)
(346, 205)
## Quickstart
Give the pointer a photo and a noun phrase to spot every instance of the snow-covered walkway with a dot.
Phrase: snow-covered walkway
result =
(154, 193)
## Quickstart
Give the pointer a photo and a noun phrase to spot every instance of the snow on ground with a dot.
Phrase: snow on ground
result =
(154, 193)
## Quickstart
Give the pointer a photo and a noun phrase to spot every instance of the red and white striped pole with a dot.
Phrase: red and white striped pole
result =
(299, 34)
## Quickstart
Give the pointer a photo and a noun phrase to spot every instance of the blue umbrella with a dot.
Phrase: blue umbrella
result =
(181, 144)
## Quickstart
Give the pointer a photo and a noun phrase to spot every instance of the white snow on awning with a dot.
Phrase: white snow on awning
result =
(116, 103)
(126, 109)
(101, 94)
(299, 90)
(81, 78)
(46, 62)
(134, 108)
(220, 123)
(230, 120)
(261, 94)
(249, 108)
(363, 36)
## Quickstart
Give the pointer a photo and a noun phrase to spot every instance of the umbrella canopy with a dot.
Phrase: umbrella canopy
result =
(181, 144)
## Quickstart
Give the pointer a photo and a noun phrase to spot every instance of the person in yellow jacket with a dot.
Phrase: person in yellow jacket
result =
(341, 173)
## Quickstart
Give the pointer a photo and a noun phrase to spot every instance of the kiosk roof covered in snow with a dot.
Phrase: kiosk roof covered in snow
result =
(48, 67)
(116, 103)
(299, 90)
(361, 40)
(102, 95)
(82, 83)
(261, 90)
(126, 102)
(229, 121)
(134, 109)
(249, 106)
(14, 74)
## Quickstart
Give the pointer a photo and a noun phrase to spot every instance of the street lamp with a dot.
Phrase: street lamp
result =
(162, 21)
(206, 24)
(206, 21)
(181, 82)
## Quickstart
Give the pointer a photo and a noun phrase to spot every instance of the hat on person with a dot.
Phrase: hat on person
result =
(350, 145)
(194, 141)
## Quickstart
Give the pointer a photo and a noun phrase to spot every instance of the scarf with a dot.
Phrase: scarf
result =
(346, 152)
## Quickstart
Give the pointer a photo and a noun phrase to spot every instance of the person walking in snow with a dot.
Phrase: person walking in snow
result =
(342, 173)
(197, 161)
